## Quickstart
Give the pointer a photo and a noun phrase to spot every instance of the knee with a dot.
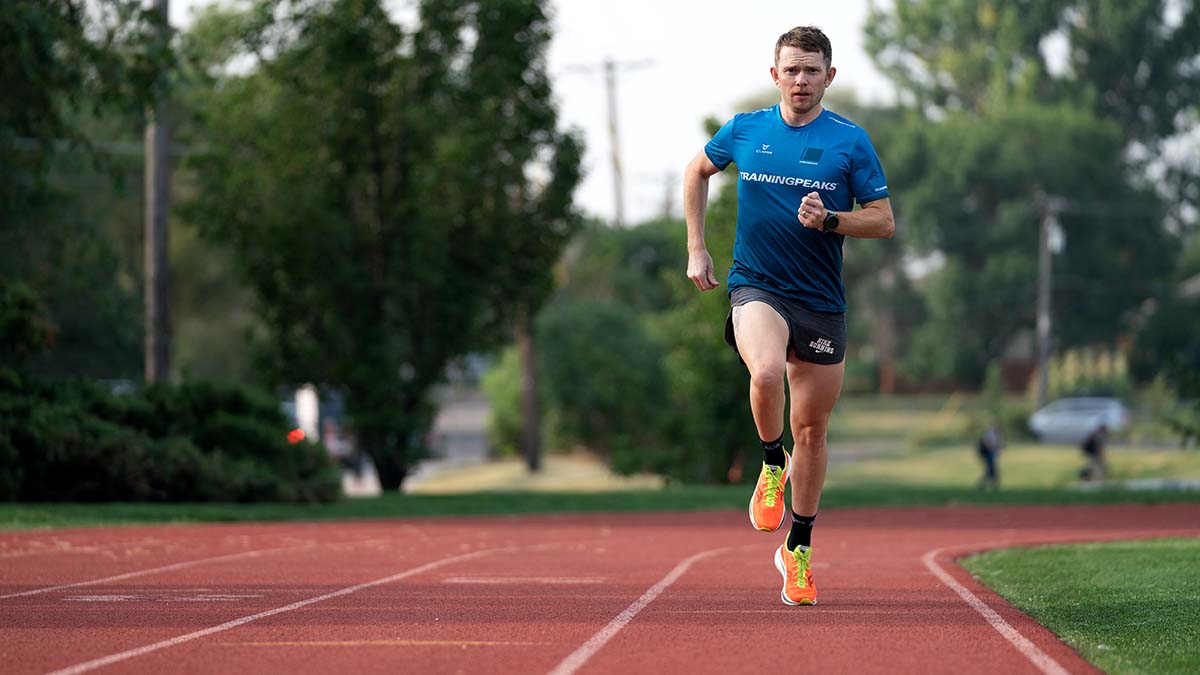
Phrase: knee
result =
(809, 434)
(766, 376)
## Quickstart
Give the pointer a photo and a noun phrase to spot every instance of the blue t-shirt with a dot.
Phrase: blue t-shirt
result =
(777, 165)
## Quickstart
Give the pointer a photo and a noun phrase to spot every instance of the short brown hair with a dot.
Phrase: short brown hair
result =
(806, 38)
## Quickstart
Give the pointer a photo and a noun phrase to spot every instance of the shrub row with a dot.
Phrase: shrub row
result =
(79, 441)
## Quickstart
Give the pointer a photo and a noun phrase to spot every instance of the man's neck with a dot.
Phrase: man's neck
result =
(794, 119)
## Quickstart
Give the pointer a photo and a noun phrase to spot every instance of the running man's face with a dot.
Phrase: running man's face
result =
(802, 78)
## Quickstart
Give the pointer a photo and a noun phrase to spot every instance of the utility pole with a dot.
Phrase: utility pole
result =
(614, 142)
(1050, 241)
(610, 84)
(668, 204)
(158, 193)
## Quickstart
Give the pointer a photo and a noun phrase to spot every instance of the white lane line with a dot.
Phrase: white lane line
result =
(1040, 659)
(156, 597)
(568, 581)
(131, 653)
(580, 656)
(392, 643)
(153, 570)
(857, 612)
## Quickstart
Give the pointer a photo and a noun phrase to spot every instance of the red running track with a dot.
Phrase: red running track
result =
(692, 593)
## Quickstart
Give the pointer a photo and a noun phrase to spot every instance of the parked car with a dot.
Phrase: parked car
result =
(1070, 420)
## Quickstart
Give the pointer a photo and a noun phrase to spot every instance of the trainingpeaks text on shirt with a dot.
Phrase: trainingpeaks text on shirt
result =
(788, 180)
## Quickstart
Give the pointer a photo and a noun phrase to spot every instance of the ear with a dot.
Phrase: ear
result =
(829, 77)
(775, 76)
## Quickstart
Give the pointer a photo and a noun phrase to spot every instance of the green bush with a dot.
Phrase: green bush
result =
(1169, 343)
(25, 327)
(1185, 420)
(603, 379)
(76, 441)
(1152, 408)
(502, 384)
(710, 431)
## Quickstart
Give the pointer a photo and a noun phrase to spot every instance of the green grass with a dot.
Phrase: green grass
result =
(913, 421)
(1128, 607)
(1023, 465)
(673, 498)
(884, 418)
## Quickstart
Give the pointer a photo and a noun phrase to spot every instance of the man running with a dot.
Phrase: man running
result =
(800, 169)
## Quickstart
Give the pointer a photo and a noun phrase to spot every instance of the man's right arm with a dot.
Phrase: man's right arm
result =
(695, 204)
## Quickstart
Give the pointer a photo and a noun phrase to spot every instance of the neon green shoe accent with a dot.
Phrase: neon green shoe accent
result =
(803, 562)
(774, 485)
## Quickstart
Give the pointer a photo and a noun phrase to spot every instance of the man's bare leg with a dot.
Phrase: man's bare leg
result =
(814, 389)
(762, 337)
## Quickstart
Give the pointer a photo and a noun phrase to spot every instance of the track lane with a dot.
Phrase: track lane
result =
(69, 626)
(39, 559)
(538, 603)
(527, 610)
(109, 659)
(881, 610)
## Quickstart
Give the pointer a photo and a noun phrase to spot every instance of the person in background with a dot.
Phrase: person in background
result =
(1093, 451)
(990, 444)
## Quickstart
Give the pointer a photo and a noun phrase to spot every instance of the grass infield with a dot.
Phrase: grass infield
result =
(671, 498)
(1128, 607)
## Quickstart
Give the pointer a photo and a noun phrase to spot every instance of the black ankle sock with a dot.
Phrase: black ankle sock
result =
(801, 534)
(773, 451)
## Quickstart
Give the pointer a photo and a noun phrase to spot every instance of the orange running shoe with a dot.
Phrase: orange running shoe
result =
(796, 568)
(767, 506)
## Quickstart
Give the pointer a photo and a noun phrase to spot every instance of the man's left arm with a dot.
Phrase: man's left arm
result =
(873, 221)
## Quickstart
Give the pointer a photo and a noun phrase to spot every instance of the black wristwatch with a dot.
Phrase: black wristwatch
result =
(831, 222)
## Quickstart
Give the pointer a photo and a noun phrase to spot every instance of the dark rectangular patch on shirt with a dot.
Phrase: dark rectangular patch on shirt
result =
(812, 155)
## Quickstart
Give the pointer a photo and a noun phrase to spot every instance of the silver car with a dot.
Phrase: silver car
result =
(1070, 420)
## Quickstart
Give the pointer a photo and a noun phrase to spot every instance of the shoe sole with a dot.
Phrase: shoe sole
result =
(787, 472)
(782, 567)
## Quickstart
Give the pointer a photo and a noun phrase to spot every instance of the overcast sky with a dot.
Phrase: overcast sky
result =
(693, 59)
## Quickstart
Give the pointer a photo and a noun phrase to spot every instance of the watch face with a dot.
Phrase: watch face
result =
(831, 222)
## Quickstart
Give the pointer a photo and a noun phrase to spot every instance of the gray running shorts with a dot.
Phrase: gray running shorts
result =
(816, 337)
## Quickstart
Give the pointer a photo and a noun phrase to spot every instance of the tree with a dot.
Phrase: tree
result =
(996, 132)
(1183, 377)
(708, 421)
(884, 308)
(68, 68)
(610, 283)
(1130, 62)
(395, 197)
(978, 204)
(24, 326)
(1169, 340)
(637, 267)
(59, 59)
